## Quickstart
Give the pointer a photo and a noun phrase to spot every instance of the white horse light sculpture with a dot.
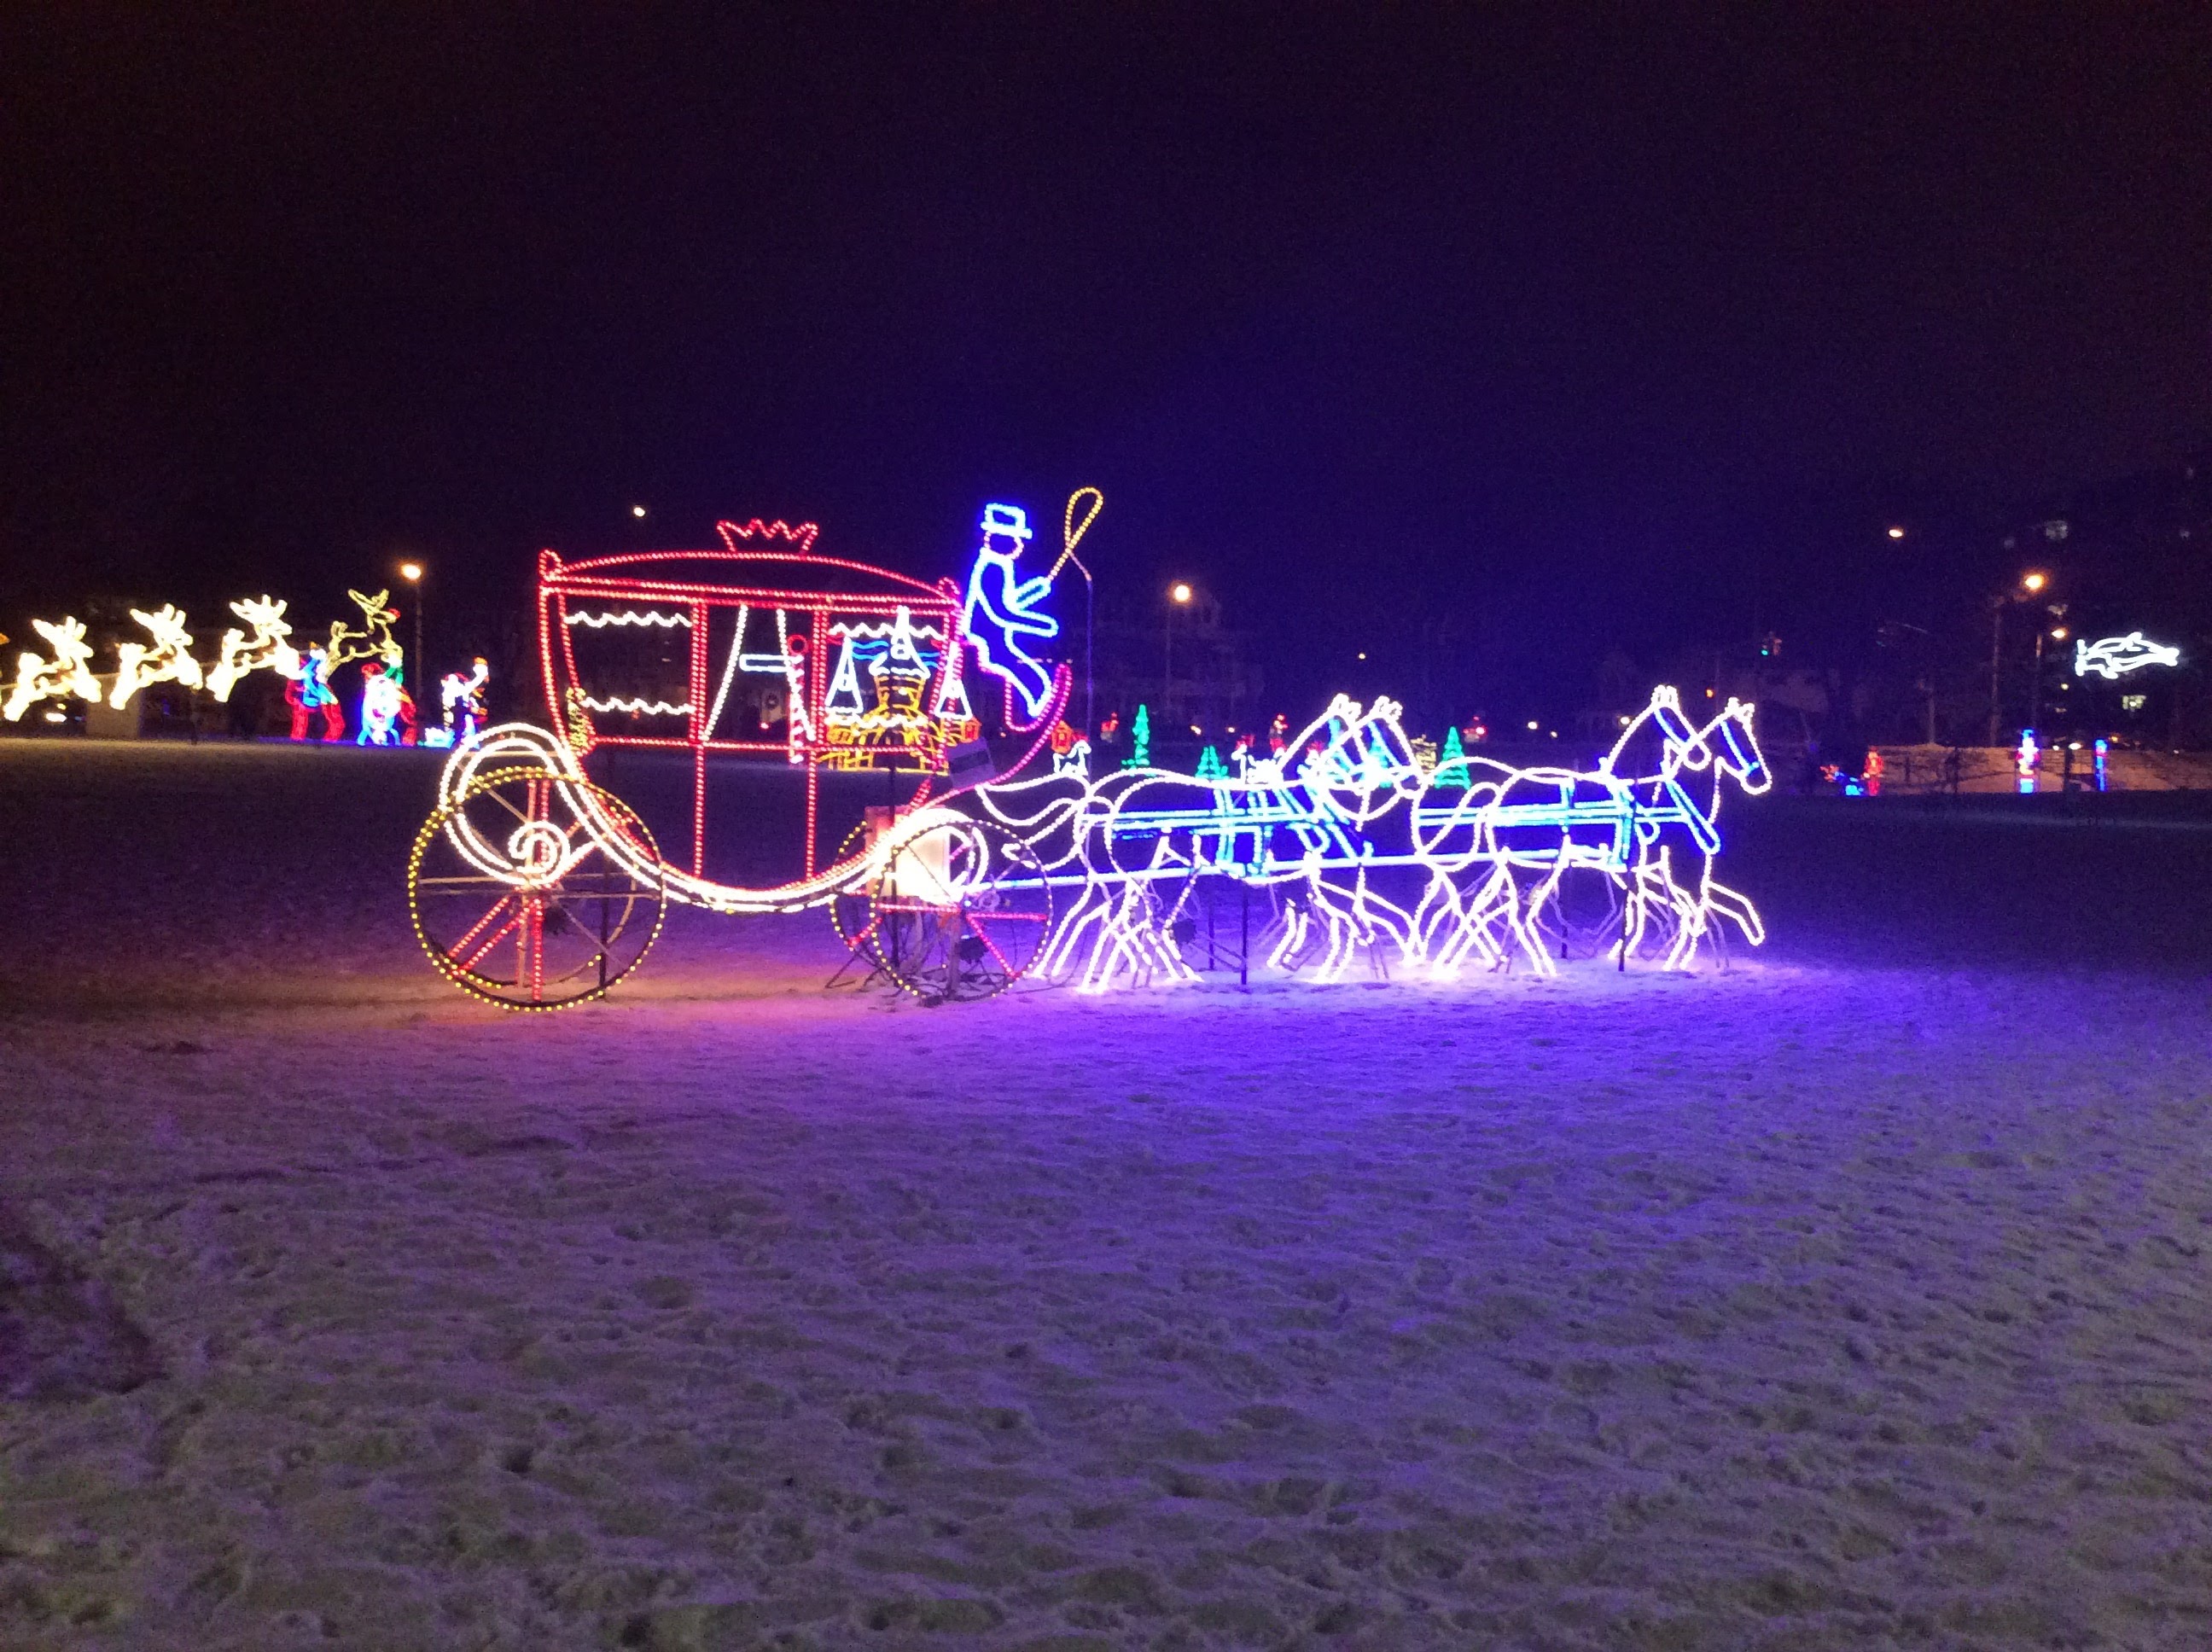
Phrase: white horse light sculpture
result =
(1364, 853)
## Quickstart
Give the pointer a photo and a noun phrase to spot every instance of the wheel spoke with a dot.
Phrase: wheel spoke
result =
(991, 945)
(578, 924)
(498, 935)
(991, 901)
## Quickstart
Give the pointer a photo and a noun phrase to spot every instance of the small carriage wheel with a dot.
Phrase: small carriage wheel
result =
(960, 911)
(535, 891)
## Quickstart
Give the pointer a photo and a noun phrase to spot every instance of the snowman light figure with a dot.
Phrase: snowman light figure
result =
(381, 700)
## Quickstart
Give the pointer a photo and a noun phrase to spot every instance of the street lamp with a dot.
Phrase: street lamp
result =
(2030, 583)
(1927, 683)
(412, 573)
(1178, 596)
(2035, 691)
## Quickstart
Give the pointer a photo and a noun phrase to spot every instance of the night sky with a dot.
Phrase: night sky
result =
(1578, 326)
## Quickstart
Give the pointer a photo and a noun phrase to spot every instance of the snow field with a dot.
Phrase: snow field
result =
(1801, 1306)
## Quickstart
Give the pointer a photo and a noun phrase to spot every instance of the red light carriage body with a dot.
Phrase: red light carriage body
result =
(762, 605)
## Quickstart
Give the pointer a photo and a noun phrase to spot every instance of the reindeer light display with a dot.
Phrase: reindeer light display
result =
(266, 649)
(373, 641)
(168, 658)
(68, 674)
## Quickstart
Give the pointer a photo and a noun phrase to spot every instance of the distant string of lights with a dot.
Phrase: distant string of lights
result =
(634, 616)
(637, 706)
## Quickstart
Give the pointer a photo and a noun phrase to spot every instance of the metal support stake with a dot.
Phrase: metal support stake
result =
(1635, 888)
(1245, 934)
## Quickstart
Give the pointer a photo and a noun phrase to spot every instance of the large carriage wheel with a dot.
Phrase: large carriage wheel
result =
(849, 913)
(535, 891)
(959, 912)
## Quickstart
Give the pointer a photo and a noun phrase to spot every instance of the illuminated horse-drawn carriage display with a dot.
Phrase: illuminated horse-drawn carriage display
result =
(534, 885)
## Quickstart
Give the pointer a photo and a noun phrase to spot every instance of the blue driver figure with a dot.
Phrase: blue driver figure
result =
(1002, 609)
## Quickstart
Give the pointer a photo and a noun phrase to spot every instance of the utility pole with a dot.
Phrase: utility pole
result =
(1996, 659)
(412, 573)
(1179, 595)
(2030, 583)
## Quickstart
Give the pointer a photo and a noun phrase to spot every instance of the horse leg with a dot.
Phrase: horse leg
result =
(1339, 928)
(1515, 915)
(1689, 914)
(1123, 948)
(1544, 893)
(1737, 908)
(1445, 925)
(1497, 905)
(1067, 938)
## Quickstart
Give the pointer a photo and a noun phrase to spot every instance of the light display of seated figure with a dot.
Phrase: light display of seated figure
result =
(1004, 613)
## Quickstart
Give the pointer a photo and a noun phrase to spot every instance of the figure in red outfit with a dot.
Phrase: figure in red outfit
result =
(309, 690)
(1870, 776)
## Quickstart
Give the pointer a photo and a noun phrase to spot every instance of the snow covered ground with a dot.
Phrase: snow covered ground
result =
(1857, 1298)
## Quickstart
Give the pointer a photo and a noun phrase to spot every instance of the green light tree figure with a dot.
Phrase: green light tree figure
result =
(1210, 766)
(1451, 765)
(1140, 741)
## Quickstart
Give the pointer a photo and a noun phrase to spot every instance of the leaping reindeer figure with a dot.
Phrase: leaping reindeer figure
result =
(68, 673)
(169, 659)
(266, 649)
(374, 641)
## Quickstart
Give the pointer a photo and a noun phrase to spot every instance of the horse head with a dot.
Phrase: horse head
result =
(1366, 761)
(1679, 746)
(1736, 749)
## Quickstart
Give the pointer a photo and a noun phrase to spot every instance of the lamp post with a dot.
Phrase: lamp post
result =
(412, 573)
(1178, 596)
(2035, 692)
(2029, 584)
(1927, 684)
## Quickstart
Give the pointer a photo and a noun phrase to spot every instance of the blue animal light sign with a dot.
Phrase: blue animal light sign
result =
(2113, 658)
